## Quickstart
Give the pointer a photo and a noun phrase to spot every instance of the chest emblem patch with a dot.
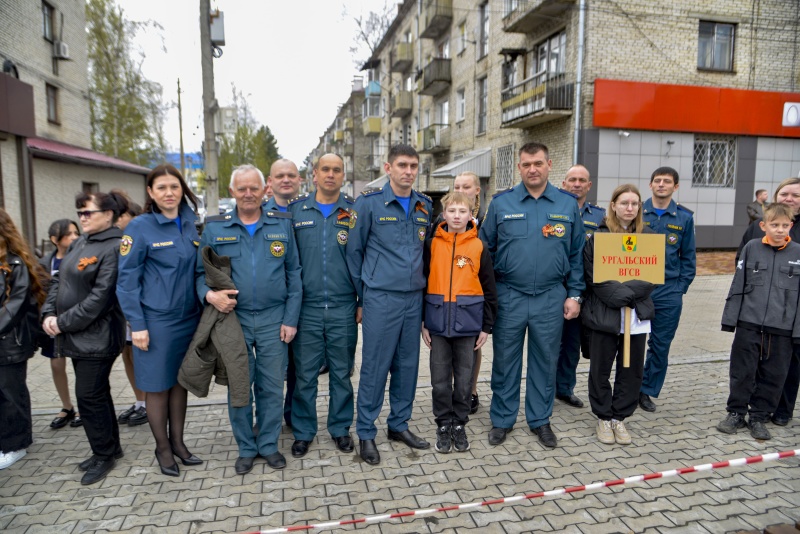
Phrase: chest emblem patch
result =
(672, 239)
(125, 245)
(277, 249)
(560, 230)
(421, 234)
(341, 237)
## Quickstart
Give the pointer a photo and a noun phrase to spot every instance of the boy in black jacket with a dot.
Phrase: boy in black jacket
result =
(762, 309)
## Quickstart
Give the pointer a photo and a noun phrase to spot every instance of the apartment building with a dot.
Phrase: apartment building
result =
(621, 86)
(45, 128)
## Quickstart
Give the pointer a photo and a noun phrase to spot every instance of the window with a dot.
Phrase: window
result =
(48, 16)
(504, 178)
(461, 39)
(443, 112)
(483, 96)
(90, 187)
(714, 161)
(549, 56)
(52, 103)
(715, 46)
(408, 85)
(483, 27)
(461, 105)
(371, 107)
(510, 7)
(443, 48)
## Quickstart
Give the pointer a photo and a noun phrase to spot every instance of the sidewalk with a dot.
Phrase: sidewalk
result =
(42, 492)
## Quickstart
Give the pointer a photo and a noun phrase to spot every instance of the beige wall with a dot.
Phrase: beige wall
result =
(10, 170)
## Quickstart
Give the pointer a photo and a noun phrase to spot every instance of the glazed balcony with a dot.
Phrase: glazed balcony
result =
(435, 138)
(524, 16)
(540, 98)
(437, 15)
(403, 57)
(435, 77)
(402, 104)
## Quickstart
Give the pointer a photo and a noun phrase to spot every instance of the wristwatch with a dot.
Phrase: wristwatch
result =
(579, 300)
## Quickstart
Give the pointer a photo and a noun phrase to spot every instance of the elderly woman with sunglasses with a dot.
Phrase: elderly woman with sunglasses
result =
(83, 314)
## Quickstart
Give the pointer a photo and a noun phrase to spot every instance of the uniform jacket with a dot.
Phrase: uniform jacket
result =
(461, 296)
(266, 267)
(535, 244)
(19, 313)
(602, 301)
(82, 296)
(754, 231)
(156, 268)
(218, 346)
(322, 244)
(384, 249)
(677, 224)
(764, 291)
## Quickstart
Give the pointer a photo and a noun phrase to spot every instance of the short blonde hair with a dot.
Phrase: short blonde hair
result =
(776, 210)
(456, 197)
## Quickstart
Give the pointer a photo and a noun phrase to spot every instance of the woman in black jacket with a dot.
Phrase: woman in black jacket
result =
(21, 294)
(603, 315)
(83, 313)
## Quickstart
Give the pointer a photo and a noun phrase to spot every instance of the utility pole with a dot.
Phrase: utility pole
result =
(180, 129)
(209, 108)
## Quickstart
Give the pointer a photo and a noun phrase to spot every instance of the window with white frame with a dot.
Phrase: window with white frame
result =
(443, 112)
(461, 38)
(714, 162)
(443, 48)
(371, 107)
(48, 16)
(483, 28)
(483, 104)
(461, 104)
(504, 177)
(510, 7)
(715, 46)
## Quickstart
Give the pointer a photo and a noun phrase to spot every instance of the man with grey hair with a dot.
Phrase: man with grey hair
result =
(267, 304)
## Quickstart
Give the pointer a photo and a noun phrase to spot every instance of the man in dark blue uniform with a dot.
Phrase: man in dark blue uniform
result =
(664, 216)
(384, 257)
(578, 182)
(328, 328)
(535, 235)
(266, 271)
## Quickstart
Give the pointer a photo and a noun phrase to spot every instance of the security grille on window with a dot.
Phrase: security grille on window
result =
(714, 161)
(505, 168)
(715, 46)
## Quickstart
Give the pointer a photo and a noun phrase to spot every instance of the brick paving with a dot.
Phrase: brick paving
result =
(42, 492)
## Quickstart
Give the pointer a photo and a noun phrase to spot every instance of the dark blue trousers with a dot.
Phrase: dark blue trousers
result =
(668, 301)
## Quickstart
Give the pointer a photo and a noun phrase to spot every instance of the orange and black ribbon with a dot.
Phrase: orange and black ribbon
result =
(419, 206)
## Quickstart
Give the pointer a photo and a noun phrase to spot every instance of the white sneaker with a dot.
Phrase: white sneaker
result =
(7, 459)
(620, 433)
(604, 432)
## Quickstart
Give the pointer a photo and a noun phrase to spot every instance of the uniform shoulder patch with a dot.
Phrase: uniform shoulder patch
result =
(594, 207)
(299, 198)
(503, 192)
(684, 208)
(573, 195)
(371, 191)
(423, 195)
(348, 198)
(217, 218)
(279, 214)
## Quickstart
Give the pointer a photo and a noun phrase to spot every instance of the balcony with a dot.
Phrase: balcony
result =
(402, 104)
(537, 100)
(371, 126)
(374, 162)
(348, 123)
(435, 138)
(435, 77)
(403, 57)
(524, 16)
(373, 88)
(338, 136)
(436, 18)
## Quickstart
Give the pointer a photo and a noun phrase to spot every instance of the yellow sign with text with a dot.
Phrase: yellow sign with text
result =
(624, 257)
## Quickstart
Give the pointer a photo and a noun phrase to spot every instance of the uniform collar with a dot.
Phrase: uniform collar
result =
(311, 202)
(647, 207)
(236, 220)
(550, 192)
(389, 196)
(185, 212)
(270, 205)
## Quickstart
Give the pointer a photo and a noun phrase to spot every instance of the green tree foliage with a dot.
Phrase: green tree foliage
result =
(127, 113)
(251, 143)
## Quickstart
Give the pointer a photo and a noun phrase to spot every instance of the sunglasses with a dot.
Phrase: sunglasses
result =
(87, 213)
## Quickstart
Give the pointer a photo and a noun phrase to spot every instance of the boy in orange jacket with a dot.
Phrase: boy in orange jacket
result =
(458, 315)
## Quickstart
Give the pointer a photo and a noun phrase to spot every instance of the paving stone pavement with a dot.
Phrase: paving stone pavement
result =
(42, 492)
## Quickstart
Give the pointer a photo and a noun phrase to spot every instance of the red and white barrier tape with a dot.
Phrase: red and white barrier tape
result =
(574, 489)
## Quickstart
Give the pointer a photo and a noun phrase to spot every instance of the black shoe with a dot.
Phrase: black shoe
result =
(324, 369)
(344, 443)
(444, 439)
(572, 400)
(97, 471)
(780, 420)
(75, 423)
(87, 463)
(139, 416)
(61, 421)
(758, 430)
(243, 465)
(300, 448)
(497, 435)
(474, 403)
(731, 423)
(646, 403)
(191, 460)
(169, 470)
(276, 460)
(369, 451)
(409, 438)
(546, 435)
(460, 441)
(124, 416)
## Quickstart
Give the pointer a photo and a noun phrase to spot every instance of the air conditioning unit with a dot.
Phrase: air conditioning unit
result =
(60, 50)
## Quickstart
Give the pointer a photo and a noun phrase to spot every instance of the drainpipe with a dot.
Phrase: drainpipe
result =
(579, 79)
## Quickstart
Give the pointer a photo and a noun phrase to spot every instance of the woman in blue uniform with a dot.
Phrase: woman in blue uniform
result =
(156, 289)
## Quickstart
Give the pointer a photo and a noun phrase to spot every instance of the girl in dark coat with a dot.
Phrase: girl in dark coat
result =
(603, 315)
(21, 294)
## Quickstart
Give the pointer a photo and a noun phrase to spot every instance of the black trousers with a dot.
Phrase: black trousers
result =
(605, 349)
(16, 431)
(291, 380)
(452, 361)
(96, 405)
(758, 368)
(789, 396)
